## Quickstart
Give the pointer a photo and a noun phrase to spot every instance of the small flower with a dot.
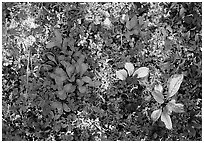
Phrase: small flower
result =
(167, 106)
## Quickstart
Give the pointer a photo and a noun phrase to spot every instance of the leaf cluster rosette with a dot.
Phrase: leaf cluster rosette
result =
(168, 104)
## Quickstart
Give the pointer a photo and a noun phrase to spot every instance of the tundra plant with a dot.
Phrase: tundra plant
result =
(168, 104)
(129, 70)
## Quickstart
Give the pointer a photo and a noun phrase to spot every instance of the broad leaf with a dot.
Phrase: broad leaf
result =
(141, 72)
(107, 22)
(158, 88)
(94, 84)
(60, 72)
(79, 82)
(175, 107)
(130, 68)
(50, 45)
(132, 23)
(62, 95)
(86, 79)
(82, 89)
(68, 88)
(57, 105)
(174, 84)
(156, 114)
(158, 96)
(121, 74)
(165, 117)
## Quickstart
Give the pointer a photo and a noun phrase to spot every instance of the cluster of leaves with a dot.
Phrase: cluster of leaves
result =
(61, 62)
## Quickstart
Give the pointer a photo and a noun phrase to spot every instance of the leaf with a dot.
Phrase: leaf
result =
(82, 89)
(158, 96)
(158, 88)
(56, 105)
(51, 57)
(86, 79)
(68, 88)
(60, 72)
(107, 22)
(175, 107)
(50, 45)
(58, 35)
(132, 23)
(121, 74)
(141, 72)
(130, 68)
(83, 68)
(66, 107)
(61, 94)
(70, 69)
(165, 117)
(174, 84)
(156, 114)
(79, 82)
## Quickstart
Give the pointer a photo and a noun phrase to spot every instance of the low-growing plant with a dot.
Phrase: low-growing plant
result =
(167, 102)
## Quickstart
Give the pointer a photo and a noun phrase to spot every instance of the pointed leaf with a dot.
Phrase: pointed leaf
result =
(141, 72)
(159, 88)
(158, 96)
(51, 57)
(130, 68)
(174, 84)
(175, 107)
(165, 117)
(86, 79)
(121, 74)
(156, 114)
(50, 45)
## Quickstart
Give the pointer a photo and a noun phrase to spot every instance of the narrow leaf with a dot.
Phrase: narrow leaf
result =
(174, 84)
(130, 68)
(121, 74)
(165, 117)
(141, 72)
(156, 114)
(158, 96)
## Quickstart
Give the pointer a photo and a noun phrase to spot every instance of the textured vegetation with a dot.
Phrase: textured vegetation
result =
(101, 71)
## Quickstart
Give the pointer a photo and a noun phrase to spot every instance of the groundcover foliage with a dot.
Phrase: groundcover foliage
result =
(101, 71)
